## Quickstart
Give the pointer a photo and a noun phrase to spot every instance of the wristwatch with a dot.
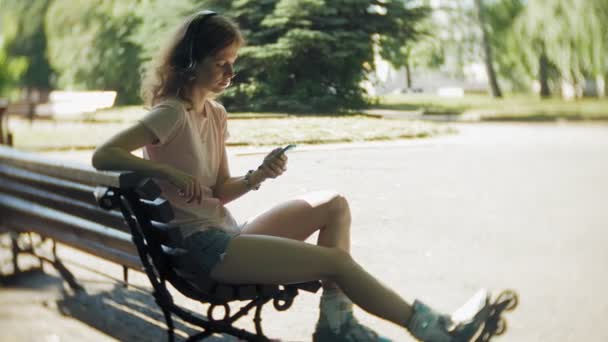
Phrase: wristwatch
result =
(248, 181)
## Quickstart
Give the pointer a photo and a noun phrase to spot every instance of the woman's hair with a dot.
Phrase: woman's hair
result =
(173, 71)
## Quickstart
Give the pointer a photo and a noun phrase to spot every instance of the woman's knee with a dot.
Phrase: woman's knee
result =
(327, 203)
(337, 206)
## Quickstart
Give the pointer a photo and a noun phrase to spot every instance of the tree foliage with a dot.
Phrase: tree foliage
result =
(570, 35)
(158, 20)
(312, 55)
(418, 49)
(90, 46)
(488, 49)
(502, 16)
(10, 72)
(25, 40)
(303, 55)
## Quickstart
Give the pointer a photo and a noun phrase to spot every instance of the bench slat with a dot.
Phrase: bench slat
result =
(91, 212)
(69, 188)
(247, 292)
(34, 217)
(65, 204)
(158, 210)
(223, 292)
(69, 171)
(160, 232)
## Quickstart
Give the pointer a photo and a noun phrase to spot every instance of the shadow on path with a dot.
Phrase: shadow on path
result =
(126, 314)
(31, 279)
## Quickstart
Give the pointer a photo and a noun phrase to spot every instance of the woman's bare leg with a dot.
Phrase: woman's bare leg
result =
(298, 219)
(274, 260)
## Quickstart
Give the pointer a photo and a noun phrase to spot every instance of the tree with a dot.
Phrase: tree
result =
(567, 35)
(451, 43)
(312, 55)
(487, 49)
(158, 20)
(501, 16)
(255, 65)
(410, 52)
(90, 46)
(589, 38)
(25, 40)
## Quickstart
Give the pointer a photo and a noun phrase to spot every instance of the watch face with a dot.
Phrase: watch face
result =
(248, 181)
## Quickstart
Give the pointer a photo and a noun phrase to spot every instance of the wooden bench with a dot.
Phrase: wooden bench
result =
(62, 104)
(122, 218)
(55, 105)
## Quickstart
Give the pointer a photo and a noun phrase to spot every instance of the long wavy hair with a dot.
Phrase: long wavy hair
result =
(172, 72)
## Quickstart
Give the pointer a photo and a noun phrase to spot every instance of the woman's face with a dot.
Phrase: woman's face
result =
(217, 70)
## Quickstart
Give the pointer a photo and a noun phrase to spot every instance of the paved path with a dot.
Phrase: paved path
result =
(499, 205)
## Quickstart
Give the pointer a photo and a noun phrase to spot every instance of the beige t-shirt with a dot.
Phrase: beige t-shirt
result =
(193, 143)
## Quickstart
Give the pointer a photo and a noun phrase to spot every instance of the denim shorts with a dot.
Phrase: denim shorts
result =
(202, 250)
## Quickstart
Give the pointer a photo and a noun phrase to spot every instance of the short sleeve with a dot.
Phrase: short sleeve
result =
(165, 121)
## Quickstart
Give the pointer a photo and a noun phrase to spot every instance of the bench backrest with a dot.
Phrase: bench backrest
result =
(57, 200)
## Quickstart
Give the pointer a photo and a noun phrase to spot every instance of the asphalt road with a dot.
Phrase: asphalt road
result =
(521, 206)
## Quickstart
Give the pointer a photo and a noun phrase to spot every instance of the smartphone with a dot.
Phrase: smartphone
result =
(287, 148)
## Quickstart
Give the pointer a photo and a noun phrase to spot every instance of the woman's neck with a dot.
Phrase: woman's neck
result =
(198, 98)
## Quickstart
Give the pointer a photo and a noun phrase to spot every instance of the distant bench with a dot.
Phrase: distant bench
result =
(120, 217)
(60, 104)
(63, 104)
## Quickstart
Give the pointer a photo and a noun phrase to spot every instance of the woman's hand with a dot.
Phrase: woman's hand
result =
(188, 187)
(275, 163)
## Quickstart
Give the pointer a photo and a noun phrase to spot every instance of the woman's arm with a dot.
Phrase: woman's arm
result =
(229, 188)
(115, 155)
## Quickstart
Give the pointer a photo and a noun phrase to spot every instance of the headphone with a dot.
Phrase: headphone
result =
(198, 20)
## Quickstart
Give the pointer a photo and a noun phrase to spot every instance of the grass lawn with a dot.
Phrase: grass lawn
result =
(280, 128)
(511, 107)
(47, 135)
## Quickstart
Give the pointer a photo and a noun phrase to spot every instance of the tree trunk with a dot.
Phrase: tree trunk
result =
(576, 84)
(487, 48)
(408, 74)
(543, 75)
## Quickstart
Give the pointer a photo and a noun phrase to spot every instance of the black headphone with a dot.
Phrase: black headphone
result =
(198, 20)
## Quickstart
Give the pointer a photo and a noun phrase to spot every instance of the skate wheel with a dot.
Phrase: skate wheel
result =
(501, 327)
(509, 296)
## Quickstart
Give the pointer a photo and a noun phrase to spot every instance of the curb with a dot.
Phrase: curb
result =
(419, 115)
(476, 116)
(251, 116)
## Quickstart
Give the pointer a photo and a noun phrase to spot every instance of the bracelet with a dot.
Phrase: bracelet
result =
(248, 181)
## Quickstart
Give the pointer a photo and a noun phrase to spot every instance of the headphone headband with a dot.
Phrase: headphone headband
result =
(198, 20)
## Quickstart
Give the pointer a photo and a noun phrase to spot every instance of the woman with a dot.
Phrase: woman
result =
(183, 139)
